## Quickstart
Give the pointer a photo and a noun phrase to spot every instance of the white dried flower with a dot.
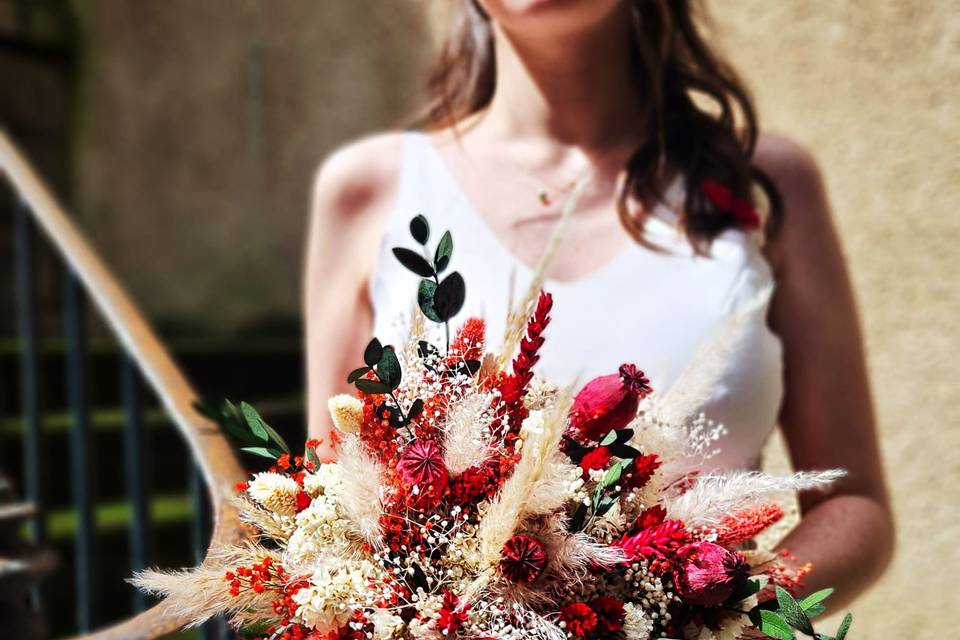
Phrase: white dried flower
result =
(275, 492)
(636, 624)
(346, 411)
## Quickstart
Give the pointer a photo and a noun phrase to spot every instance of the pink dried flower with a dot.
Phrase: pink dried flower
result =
(421, 466)
(608, 402)
(707, 574)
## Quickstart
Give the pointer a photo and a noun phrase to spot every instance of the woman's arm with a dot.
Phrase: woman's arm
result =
(827, 415)
(352, 193)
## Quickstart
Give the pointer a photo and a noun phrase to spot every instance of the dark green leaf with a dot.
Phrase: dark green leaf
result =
(420, 229)
(579, 517)
(814, 598)
(388, 369)
(426, 350)
(419, 577)
(415, 409)
(472, 366)
(624, 435)
(449, 297)
(444, 252)
(792, 613)
(575, 450)
(356, 374)
(623, 450)
(371, 355)
(371, 386)
(413, 261)
(426, 299)
(605, 505)
(250, 413)
(774, 626)
(749, 588)
(263, 452)
(844, 627)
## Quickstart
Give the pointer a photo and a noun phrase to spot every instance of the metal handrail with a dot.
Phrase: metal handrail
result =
(213, 454)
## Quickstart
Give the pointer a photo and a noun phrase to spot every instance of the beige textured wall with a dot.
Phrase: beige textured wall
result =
(872, 89)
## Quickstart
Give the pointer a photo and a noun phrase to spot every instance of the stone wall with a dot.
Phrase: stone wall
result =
(201, 124)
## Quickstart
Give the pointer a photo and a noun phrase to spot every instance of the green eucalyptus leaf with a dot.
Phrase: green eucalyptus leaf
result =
(272, 436)
(844, 627)
(792, 613)
(255, 422)
(356, 374)
(388, 369)
(414, 262)
(775, 626)
(311, 454)
(449, 296)
(371, 386)
(371, 355)
(263, 452)
(814, 598)
(614, 473)
(441, 258)
(426, 300)
(420, 229)
(605, 505)
(815, 610)
(608, 439)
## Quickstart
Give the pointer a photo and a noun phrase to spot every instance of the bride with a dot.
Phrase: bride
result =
(687, 216)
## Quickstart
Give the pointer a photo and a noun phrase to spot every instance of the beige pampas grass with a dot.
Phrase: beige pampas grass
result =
(361, 500)
(346, 411)
(713, 497)
(513, 503)
(465, 443)
(519, 313)
(202, 593)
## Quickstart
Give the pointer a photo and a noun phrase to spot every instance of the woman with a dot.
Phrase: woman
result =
(532, 96)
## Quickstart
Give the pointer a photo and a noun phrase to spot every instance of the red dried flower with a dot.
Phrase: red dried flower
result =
(469, 486)
(595, 459)
(578, 619)
(707, 574)
(524, 559)
(655, 537)
(513, 387)
(421, 466)
(469, 342)
(303, 500)
(610, 614)
(608, 402)
(723, 199)
(452, 615)
(746, 524)
(640, 472)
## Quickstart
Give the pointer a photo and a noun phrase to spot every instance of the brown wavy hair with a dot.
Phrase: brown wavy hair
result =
(698, 118)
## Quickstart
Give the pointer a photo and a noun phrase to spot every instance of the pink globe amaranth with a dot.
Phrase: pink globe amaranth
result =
(608, 402)
(707, 574)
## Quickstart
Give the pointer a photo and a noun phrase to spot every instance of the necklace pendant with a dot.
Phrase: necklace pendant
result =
(544, 198)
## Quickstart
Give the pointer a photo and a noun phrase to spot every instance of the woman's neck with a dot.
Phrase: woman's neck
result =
(578, 92)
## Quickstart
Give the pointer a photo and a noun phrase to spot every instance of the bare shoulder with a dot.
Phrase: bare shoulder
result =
(358, 179)
(806, 225)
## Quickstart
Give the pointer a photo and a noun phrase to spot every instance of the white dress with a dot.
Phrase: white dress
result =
(653, 309)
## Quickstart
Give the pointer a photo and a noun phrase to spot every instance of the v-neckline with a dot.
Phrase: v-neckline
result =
(479, 220)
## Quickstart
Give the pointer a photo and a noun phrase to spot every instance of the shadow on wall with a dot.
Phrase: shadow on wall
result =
(201, 125)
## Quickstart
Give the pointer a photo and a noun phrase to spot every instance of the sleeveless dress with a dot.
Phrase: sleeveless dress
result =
(653, 309)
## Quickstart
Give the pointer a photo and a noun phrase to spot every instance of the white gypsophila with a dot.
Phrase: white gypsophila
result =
(636, 624)
(274, 492)
(321, 528)
(731, 628)
(326, 480)
(386, 626)
(332, 595)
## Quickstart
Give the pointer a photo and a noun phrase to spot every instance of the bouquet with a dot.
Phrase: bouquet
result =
(471, 499)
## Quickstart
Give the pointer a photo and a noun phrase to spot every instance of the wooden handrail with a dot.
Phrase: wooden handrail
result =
(213, 454)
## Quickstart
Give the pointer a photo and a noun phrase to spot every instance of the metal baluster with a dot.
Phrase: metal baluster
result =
(80, 450)
(201, 528)
(136, 474)
(30, 372)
